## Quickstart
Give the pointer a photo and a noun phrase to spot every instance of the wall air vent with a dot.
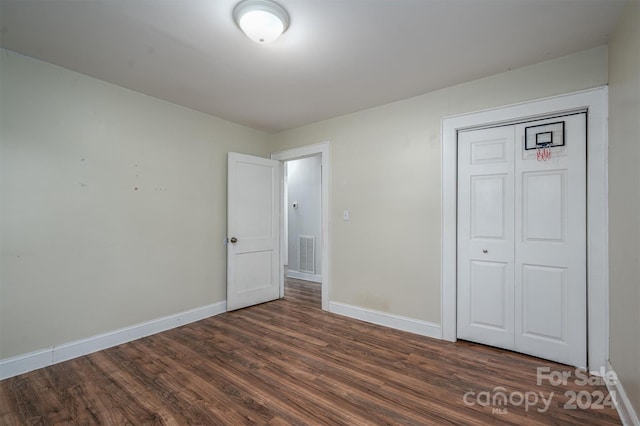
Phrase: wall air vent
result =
(307, 254)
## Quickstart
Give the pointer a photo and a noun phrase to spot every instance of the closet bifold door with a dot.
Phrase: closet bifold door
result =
(522, 239)
(485, 236)
(550, 241)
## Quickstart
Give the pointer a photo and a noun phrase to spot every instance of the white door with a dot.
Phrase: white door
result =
(253, 251)
(551, 244)
(485, 236)
(522, 239)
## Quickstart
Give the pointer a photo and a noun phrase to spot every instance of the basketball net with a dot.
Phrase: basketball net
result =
(543, 153)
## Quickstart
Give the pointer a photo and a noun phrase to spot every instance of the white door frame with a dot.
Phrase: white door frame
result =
(595, 101)
(293, 154)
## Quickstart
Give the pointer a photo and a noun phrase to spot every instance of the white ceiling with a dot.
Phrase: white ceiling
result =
(338, 56)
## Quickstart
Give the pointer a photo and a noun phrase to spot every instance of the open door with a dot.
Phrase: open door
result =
(253, 219)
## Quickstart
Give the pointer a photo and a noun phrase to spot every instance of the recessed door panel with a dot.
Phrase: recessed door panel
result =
(544, 301)
(254, 271)
(544, 205)
(254, 219)
(489, 151)
(488, 201)
(488, 294)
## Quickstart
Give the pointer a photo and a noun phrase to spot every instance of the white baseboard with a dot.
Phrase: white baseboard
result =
(398, 322)
(625, 409)
(20, 364)
(304, 276)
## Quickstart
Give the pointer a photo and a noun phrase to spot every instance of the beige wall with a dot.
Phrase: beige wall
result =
(385, 169)
(624, 201)
(83, 251)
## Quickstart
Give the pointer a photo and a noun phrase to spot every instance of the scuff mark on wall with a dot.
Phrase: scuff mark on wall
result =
(83, 176)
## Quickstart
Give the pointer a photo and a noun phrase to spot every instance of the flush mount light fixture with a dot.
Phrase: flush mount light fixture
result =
(262, 21)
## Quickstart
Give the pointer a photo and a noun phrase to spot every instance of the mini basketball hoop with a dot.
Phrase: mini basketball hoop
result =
(543, 152)
(543, 137)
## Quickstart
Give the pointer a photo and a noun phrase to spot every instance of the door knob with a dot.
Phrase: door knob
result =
(485, 251)
(233, 240)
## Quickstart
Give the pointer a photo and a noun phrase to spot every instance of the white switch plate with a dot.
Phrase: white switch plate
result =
(345, 215)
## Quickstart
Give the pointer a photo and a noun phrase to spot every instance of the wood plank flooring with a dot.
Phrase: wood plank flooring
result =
(288, 362)
(303, 292)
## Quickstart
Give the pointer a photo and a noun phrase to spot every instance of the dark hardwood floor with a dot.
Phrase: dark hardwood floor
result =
(288, 362)
(303, 292)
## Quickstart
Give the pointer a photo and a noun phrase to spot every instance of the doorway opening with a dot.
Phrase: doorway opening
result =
(303, 218)
(304, 236)
(302, 212)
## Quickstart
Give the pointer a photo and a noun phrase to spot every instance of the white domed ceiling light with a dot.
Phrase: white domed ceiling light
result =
(262, 21)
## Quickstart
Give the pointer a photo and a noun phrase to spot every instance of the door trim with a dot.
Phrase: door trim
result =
(595, 102)
(322, 148)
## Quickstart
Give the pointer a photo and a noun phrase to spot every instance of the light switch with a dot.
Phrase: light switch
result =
(345, 215)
